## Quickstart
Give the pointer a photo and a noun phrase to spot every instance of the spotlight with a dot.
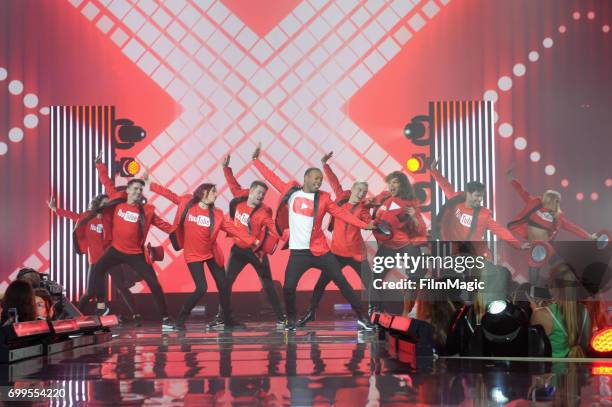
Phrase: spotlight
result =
(127, 134)
(127, 167)
(504, 328)
(601, 343)
(416, 163)
(415, 130)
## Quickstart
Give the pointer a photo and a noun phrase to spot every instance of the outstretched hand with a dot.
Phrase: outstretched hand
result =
(371, 226)
(434, 164)
(510, 175)
(257, 151)
(326, 157)
(52, 205)
(99, 157)
(226, 161)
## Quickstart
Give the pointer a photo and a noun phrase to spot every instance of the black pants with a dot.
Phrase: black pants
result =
(302, 260)
(362, 268)
(118, 282)
(378, 296)
(238, 259)
(197, 273)
(137, 262)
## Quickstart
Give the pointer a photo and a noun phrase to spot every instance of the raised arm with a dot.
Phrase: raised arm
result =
(160, 223)
(271, 177)
(341, 213)
(332, 178)
(165, 192)
(233, 183)
(573, 228)
(107, 183)
(447, 188)
(62, 212)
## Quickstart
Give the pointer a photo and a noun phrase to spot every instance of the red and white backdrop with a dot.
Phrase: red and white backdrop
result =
(304, 77)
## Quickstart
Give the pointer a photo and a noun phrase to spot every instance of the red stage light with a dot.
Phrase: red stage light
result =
(564, 183)
(594, 196)
(602, 341)
(580, 196)
(609, 182)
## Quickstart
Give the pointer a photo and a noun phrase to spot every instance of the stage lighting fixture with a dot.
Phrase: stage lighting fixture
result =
(416, 163)
(415, 130)
(127, 134)
(601, 343)
(127, 167)
(504, 328)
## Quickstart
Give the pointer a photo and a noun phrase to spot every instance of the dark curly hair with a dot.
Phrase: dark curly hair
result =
(406, 191)
(96, 203)
(19, 294)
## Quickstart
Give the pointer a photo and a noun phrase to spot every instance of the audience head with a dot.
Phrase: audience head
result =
(20, 295)
(29, 275)
(44, 304)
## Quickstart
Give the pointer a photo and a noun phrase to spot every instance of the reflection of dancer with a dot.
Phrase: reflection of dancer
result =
(398, 208)
(346, 243)
(464, 219)
(301, 211)
(542, 218)
(88, 238)
(254, 219)
(126, 223)
(196, 228)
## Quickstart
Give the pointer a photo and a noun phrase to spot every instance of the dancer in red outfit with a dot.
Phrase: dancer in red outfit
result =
(196, 230)
(465, 220)
(346, 243)
(301, 211)
(542, 218)
(88, 239)
(254, 218)
(126, 221)
(399, 209)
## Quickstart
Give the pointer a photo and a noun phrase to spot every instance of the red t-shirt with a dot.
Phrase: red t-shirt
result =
(95, 242)
(126, 229)
(241, 219)
(198, 245)
(458, 222)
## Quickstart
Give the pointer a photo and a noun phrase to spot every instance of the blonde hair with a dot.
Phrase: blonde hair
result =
(548, 197)
(564, 287)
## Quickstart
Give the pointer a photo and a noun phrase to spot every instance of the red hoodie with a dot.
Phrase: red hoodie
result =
(346, 239)
(318, 242)
(194, 235)
(534, 214)
(456, 223)
(88, 233)
(259, 220)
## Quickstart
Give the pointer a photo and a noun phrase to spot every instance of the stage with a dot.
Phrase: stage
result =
(324, 363)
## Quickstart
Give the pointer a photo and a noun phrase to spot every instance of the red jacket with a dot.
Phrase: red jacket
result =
(453, 228)
(260, 219)
(346, 238)
(318, 242)
(178, 229)
(535, 215)
(407, 232)
(116, 197)
(83, 244)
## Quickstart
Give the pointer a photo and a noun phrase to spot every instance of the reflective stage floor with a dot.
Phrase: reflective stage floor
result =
(323, 364)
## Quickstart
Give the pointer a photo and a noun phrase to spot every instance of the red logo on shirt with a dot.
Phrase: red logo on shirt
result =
(303, 206)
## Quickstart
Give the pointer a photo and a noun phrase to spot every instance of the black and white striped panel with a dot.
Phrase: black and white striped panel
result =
(464, 142)
(77, 134)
